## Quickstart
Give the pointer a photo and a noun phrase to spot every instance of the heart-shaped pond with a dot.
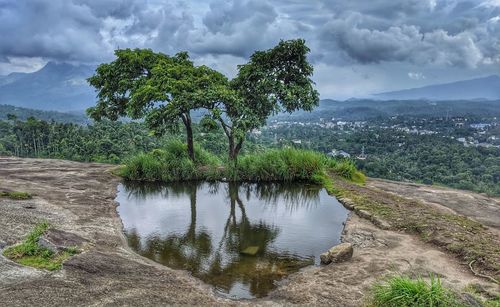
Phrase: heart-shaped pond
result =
(239, 237)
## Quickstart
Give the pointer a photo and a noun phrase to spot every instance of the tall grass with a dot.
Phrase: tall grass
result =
(401, 291)
(173, 164)
(346, 168)
(279, 165)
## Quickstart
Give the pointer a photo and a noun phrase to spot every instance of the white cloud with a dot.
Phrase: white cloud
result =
(416, 75)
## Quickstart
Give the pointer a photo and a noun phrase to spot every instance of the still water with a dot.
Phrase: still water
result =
(241, 238)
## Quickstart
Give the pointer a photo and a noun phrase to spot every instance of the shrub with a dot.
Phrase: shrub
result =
(403, 291)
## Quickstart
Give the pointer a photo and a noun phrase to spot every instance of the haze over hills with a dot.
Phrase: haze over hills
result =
(63, 87)
(60, 87)
(480, 88)
(60, 117)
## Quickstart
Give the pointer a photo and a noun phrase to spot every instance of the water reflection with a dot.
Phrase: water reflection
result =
(240, 238)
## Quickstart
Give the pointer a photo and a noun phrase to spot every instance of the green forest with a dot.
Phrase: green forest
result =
(397, 155)
(423, 158)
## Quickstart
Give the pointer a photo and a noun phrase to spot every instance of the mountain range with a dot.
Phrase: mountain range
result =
(63, 87)
(481, 88)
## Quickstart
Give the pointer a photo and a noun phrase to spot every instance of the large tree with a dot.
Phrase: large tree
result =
(164, 90)
(161, 89)
(278, 79)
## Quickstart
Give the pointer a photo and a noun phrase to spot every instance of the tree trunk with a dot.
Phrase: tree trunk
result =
(231, 147)
(234, 148)
(186, 119)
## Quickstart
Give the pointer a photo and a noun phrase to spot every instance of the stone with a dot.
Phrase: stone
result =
(325, 258)
(58, 240)
(364, 214)
(380, 223)
(471, 300)
(44, 243)
(348, 204)
(251, 250)
(338, 253)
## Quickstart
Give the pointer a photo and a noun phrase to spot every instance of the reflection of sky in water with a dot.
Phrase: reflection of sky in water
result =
(307, 221)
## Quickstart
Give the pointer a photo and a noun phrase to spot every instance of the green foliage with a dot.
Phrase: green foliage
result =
(494, 302)
(171, 163)
(395, 154)
(279, 165)
(16, 195)
(161, 89)
(165, 89)
(30, 253)
(401, 291)
(101, 142)
(274, 80)
(347, 169)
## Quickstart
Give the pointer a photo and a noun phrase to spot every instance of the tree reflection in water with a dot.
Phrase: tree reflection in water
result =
(220, 261)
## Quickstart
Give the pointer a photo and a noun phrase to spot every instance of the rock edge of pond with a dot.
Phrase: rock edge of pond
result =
(79, 198)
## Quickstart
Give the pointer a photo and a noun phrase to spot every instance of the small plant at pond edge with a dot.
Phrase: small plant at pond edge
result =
(401, 291)
(30, 253)
(16, 195)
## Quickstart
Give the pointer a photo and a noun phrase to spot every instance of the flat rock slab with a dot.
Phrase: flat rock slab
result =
(63, 238)
(480, 207)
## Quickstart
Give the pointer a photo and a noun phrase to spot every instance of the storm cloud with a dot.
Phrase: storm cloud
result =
(363, 39)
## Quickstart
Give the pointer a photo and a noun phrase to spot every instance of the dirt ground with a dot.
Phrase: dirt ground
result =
(79, 198)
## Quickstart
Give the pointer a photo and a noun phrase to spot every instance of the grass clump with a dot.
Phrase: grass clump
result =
(401, 291)
(279, 165)
(173, 164)
(16, 195)
(30, 253)
(346, 169)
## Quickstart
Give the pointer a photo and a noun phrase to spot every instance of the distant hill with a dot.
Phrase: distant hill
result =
(60, 87)
(362, 109)
(24, 113)
(480, 88)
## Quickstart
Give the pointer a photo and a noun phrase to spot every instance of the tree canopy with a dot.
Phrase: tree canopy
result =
(278, 79)
(156, 87)
(163, 90)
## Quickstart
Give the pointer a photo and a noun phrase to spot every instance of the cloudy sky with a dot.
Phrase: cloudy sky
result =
(358, 47)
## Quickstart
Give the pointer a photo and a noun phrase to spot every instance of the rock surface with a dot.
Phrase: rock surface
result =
(78, 198)
(338, 253)
(58, 240)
